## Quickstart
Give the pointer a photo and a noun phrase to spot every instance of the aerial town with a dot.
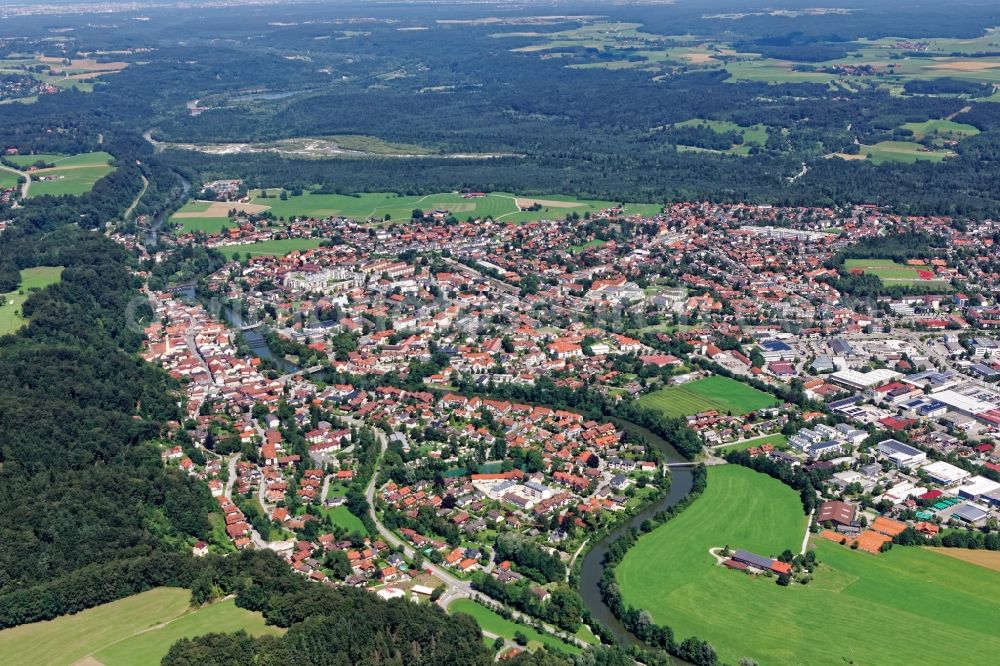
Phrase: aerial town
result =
(426, 345)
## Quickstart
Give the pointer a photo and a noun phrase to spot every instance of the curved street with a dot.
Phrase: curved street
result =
(456, 587)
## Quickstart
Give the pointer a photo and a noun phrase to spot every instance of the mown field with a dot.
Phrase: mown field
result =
(70, 174)
(901, 151)
(719, 393)
(271, 248)
(7, 180)
(492, 622)
(135, 631)
(31, 279)
(900, 607)
(776, 440)
(498, 205)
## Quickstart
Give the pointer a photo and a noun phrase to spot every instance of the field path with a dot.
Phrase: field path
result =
(420, 200)
(128, 211)
(805, 539)
(24, 186)
(964, 109)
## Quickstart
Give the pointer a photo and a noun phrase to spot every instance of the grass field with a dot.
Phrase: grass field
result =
(889, 272)
(31, 279)
(208, 224)
(498, 205)
(8, 180)
(945, 129)
(899, 607)
(136, 630)
(344, 518)
(71, 174)
(271, 248)
(715, 392)
(776, 440)
(755, 135)
(901, 151)
(150, 647)
(493, 623)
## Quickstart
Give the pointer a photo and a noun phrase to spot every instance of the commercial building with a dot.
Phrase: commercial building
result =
(978, 487)
(860, 381)
(944, 473)
(901, 455)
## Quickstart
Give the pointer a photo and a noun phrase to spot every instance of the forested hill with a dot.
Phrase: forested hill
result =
(80, 485)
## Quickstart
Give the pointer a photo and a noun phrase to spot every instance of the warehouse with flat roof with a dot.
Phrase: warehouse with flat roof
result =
(862, 380)
(944, 473)
(900, 454)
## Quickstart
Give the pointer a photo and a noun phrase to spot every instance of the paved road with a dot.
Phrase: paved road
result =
(233, 460)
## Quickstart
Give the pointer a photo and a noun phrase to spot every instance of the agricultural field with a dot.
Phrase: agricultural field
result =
(989, 559)
(70, 174)
(722, 394)
(62, 73)
(626, 46)
(941, 130)
(889, 272)
(495, 624)
(901, 151)
(670, 573)
(137, 630)
(8, 180)
(272, 248)
(31, 279)
(209, 217)
(388, 206)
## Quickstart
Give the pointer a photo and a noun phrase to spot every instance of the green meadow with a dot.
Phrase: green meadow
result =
(393, 207)
(7, 180)
(907, 606)
(70, 174)
(901, 151)
(716, 392)
(342, 517)
(777, 440)
(271, 248)
(134, 631)
(32, 279)
(943, 129)
(754, 135)
(495, 624)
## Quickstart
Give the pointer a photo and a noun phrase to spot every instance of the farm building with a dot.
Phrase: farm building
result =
(837, 512)
(760, 562)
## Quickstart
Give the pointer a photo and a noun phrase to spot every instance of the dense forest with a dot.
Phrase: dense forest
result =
(79, 482)
(458, 88)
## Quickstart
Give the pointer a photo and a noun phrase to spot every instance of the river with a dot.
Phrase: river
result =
(257, 342)
(254, 338)
(593, 564)
(153, 231)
